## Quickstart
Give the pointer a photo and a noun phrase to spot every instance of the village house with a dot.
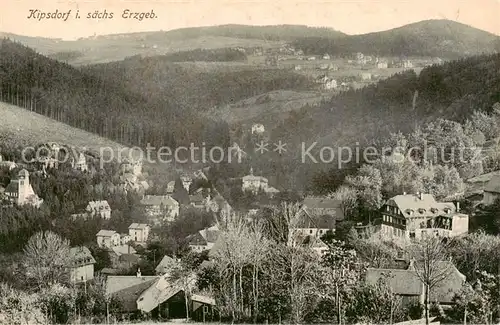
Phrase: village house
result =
(79, 162)
(139, 232)
(9, 165)
(107, 238)
(160, 207)
(326, 56)
(491, 191)
(311, 58)
(99, 209)
(204, 239)
(20, 192)
(418, 215)
(81, 267)
(158, 295)
(407, 64)
(297, 67)
(406, 283)
(186, 181)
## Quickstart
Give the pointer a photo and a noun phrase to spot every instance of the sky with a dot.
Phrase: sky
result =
(348, 16)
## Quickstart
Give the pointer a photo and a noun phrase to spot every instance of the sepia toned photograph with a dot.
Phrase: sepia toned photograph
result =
(250, 162)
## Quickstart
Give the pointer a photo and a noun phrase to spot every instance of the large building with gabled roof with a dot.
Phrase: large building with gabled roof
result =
(418, 215)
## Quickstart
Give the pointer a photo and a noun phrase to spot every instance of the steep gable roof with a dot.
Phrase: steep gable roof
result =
(422, 205)
(312, 220)
(81, 255)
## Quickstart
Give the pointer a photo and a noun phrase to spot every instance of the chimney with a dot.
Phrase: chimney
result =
(139, 272)
(458, 206)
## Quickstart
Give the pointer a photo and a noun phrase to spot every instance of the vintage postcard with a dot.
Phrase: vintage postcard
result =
(250, 161)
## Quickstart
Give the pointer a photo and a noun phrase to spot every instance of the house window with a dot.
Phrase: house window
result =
(310, 231)
(412, 235)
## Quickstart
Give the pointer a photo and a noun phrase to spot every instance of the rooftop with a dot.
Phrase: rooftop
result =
(421, 204)
(138, 226)
(106, 233)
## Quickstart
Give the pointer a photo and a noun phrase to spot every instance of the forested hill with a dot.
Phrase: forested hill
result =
(452, 90)
(134, 102)
(189, 88)
(436, 38)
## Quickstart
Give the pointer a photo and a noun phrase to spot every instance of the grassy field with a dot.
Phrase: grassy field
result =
(21, 127)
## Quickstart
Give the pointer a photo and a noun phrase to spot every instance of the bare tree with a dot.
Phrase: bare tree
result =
(231, 253)
(283, 221)
(347, 196)
(46, 258)
(258, 253)
(431, 265)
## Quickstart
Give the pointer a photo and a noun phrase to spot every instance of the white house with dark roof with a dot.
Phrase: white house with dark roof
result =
(139, 232)
(254, 184)
(79, 162)
(107, 238)
(161, 206)
(99, 209)
(20, 192)
(418, 215)
(81, 267)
